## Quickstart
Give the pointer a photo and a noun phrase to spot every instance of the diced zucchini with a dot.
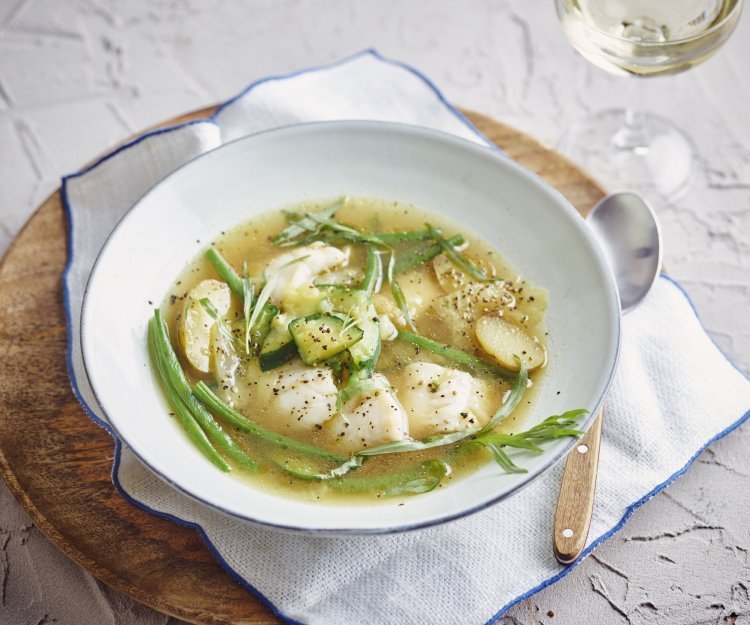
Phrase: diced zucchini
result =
(318, 337)
(356, 304)
(503, 340)
(278, 348)
(262, 326)
(344, 299)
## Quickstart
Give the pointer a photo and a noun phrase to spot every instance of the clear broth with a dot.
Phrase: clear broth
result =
(250, 242)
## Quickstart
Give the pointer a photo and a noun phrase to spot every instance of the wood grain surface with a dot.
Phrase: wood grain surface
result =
(57, 462)
(575, 503)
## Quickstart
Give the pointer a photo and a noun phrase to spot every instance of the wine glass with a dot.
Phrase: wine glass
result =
(626, 148)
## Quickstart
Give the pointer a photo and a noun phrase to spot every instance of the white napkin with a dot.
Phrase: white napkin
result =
(674, 393)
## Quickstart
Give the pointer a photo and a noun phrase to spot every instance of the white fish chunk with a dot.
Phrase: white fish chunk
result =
(373, 418)
(439, 400)
(316, 259)
(291, 398)
(304, 396)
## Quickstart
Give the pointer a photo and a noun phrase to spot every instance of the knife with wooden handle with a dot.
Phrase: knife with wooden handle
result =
(576, 500)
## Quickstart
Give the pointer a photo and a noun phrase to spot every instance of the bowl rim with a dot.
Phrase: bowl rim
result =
(483, 151)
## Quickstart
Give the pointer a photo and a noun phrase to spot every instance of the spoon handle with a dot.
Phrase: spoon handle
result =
(576, 500)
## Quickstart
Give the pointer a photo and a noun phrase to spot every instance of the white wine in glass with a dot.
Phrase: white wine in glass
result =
(626, 148)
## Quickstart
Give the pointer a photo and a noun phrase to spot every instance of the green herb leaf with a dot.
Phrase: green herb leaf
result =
(503, 459)
(421, 253)
(514, 396)
(402, 446)
(458, 259)
(301, 223)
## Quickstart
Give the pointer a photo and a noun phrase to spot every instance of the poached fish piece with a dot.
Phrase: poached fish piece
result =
(289, 279)
(291, 398)
(373, 418)
(439, 400)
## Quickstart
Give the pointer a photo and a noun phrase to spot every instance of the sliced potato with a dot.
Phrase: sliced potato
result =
(460, 309)
(196, 324)
(503, 340)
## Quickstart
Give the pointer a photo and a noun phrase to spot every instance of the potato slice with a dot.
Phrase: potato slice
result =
(196, 324)
(460, 309)
(503, 340)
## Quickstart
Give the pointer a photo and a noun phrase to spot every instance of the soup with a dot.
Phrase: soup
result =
(358, 349)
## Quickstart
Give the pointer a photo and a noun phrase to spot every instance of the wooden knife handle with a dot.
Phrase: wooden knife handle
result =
(576, 500)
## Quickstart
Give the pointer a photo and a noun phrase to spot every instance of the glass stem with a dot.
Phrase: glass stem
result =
(633, 135)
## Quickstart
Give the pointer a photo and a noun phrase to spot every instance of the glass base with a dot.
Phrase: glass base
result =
(644, 153)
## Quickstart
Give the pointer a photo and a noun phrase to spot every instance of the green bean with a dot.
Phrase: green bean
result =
(392, 238)
(174, 377)
(373, 270)
(225, 271)
(229, 414)
(186, 419)
(459, 357)
(420, 254)
(421, 478)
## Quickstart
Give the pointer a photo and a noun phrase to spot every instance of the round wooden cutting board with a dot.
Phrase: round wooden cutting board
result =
(58, 462)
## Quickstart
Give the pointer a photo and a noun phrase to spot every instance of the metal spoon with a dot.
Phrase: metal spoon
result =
(629, 234)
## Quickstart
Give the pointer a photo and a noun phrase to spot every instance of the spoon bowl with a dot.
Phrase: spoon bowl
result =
(628, 231)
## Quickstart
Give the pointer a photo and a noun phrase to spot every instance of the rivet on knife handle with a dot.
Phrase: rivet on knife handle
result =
(576, 500)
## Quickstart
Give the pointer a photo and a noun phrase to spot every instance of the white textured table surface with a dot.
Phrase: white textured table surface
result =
(78, 76)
